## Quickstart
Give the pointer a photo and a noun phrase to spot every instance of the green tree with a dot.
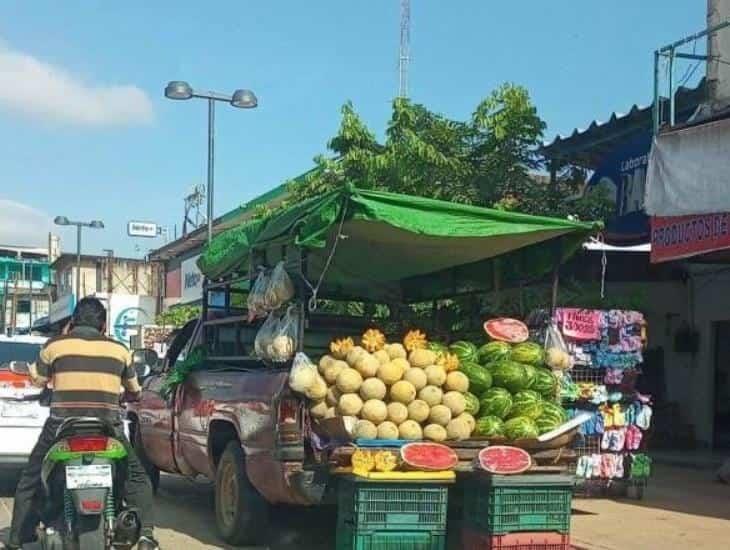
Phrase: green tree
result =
(177, 316)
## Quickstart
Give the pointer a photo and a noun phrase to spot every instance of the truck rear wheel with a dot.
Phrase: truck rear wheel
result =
(241, 512)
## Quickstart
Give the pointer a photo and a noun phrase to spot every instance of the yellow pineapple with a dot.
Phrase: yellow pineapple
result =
(415, 339)
(340, 348)
(373, 340)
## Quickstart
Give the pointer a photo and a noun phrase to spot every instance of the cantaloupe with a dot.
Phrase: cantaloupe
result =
(364, 429)
(318, 390)
(396, 351)
(457, 381)
(331, 412)
(432, 395)
(422, 358)
(333, 371)
(402, 363)
(367, 365)
(301, 379)
(434, 432)
(374, 410)
(373, 388)
(458, 429)
(418, 410)
(390, 373)
(319, 409)
(410, 430)
(324, 362)
(455, 401)
(397, 413)
(440, 414)
(435, 375)
(387, 430)
(349, 381)
(469, 419)
(333, 396)
(402, 392)
(417, 377)
(354, 354)
(382, 356)
(350, 404)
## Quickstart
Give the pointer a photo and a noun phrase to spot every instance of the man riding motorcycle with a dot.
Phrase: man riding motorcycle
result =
(86, 371)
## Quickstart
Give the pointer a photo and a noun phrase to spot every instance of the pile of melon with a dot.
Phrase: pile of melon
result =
(394, 390)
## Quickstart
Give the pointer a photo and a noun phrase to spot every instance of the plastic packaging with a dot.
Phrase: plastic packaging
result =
(265, 335)
(279, 289)
(557, 355)
(256, 301)
(303, 374)
(277, 338)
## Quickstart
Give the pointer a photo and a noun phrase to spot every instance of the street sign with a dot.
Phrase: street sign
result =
(142, 229)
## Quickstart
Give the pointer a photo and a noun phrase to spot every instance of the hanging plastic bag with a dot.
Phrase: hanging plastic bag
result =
(557, 355)
(280, 288)
(303, 374)
(265, 336)
(256, 301)
(286, 336)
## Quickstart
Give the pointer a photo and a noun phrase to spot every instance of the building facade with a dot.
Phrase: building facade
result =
(25, 291)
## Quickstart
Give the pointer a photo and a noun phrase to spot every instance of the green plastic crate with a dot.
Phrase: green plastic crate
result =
(505, 504)
(392, 506)
(358, 539)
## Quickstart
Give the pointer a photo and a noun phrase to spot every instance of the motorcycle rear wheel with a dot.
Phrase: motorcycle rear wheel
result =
(91, 532)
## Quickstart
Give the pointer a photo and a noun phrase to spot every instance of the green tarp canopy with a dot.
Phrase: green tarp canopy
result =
(399, 248)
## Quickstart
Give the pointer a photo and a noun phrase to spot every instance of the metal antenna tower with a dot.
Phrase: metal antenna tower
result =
(405, 47)
(193, 202)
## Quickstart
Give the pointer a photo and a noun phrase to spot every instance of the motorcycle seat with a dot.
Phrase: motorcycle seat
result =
(85, 426)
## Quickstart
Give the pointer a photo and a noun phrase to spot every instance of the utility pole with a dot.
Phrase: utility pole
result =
(405, 47)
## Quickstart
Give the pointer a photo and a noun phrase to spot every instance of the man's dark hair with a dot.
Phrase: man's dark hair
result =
(89, 312)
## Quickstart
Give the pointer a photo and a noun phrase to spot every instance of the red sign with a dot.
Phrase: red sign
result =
(581, 324)
(676, 237)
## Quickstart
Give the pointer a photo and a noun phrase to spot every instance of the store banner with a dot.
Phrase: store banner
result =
(192, 280)
(677, 237)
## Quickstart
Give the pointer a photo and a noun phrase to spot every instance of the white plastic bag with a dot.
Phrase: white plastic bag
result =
(256, 301)
(265, 336)
(286, 336)
(303, 374)
(557, 355)
(279, 289)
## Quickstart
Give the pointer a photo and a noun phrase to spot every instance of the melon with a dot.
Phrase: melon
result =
(469, 419)
(431, 395)
(354, 354)
(403, 392)
(349, 381)
(434, 432)
(387, 430)
(526, 403)
(418, 410)
(509, 375)
(301, 379)
(435, 375)
(455, 402)
(390, 373)
(528, 353)
(333, 396)
(373, 388)
(396, 351)
(520, 427)
(489, 426)
(410, 430)
(429, 456)
(422, 358)
(545, 383)
(417, 377)
(331, 412)
(503, 460)
(458, 430)
(480, 379)
(318, 390)
(364, 429)
(319, 409)
(465, 351)
(440, 414)
(350, 404)
(397, 413)
(324, 362)
(331, 373)
(495, 402)
(471, 403)
(382, 356)
(374, 410)
(367, 365)
(530, 375)
(493, 352)
(457, 381)
(507, 330)
(402, 363)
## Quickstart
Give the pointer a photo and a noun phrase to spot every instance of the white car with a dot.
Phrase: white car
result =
(20, 421)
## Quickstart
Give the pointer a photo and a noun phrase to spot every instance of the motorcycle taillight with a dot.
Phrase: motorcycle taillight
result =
(84, 444)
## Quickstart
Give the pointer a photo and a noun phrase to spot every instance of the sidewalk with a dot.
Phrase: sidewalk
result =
(683, 509)
(698, 459)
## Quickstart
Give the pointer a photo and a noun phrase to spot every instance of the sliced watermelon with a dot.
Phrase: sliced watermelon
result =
(429, 456)
(507, 330)
(504, 460)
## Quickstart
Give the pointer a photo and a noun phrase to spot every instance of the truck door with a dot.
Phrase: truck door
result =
(156, 410)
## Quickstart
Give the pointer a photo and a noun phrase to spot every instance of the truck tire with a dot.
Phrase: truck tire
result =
(153, 472)
(91, 532)
(241, 513)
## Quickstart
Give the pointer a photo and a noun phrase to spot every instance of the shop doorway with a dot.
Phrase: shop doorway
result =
(722, 385)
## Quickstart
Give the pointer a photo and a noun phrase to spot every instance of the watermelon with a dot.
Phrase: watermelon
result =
(489, 426)
(529, 353)
(530, 373)
(472, 403)
(545, 383)
(520, 427)
(507, 330)
(495, 402)
(504, 460)
(429, 456)
(556, 411)
(465, 351)
(480, 379)
(546, 424)
(509, 375)
(526, 403)
(493, 352)
(438, 348)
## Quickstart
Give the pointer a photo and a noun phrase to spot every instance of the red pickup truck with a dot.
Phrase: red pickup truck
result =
(234, 421)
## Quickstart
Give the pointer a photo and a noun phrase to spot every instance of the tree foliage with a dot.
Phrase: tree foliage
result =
(177, 316)
(488, 160)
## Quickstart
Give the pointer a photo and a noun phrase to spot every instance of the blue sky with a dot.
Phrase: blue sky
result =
(86, 131)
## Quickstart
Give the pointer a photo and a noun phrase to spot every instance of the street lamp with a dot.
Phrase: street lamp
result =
(242, 99)
(94, 224)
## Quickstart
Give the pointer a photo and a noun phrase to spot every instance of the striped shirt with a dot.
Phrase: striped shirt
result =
(87, 372)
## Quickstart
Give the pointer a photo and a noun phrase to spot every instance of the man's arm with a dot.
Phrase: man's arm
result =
(129, 377)
(40, 371)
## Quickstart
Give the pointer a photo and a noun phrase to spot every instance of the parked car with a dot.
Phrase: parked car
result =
(20, 421)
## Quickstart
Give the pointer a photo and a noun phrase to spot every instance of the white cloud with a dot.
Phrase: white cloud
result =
(23, 225)
(33, 87)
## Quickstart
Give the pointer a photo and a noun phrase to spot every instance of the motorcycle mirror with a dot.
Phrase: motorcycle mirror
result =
(145, 361)
(19, 367)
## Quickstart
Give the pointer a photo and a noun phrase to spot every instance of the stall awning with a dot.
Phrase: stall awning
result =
(399, 247)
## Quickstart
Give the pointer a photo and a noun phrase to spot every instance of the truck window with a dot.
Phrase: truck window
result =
(178, 343)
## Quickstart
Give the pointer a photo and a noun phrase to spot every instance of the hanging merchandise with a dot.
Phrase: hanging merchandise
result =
(256, 302)
(276, 340)
(280, 288)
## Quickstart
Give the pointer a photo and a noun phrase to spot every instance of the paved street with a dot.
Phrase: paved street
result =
(683, 509)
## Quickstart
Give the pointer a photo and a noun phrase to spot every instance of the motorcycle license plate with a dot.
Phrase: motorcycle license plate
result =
(94, 476)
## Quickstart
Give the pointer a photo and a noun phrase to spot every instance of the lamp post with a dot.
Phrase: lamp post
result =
(95, 224)
(242, 99)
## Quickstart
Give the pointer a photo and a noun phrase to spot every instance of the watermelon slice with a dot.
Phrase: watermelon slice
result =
(507, 330)
(504, 460)
(429, 456)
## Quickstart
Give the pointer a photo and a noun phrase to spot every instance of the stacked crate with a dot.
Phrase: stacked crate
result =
(520, 512)
(386, 515)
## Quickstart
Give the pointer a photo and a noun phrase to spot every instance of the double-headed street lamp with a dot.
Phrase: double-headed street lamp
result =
(95, 224)
(243, 99)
